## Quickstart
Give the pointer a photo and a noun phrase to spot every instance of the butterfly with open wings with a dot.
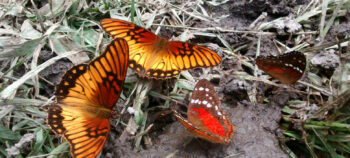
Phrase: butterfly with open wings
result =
(156, 57)
(85, 96)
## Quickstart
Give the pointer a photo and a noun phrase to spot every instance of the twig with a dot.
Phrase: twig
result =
(340, 101)
(317, 88)
(142, 133)
(324, 45)
(219, 29)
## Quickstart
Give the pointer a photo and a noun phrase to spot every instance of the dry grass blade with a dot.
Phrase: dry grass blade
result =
(325, 45)
(322, 90)
(33, 66)
(324, 31)
(9, 90)
(23, 102)
(339, 102)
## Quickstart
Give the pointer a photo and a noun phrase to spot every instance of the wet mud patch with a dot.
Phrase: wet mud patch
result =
(256, 130)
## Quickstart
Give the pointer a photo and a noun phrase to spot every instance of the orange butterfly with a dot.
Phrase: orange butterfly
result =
(155, 57)
(86, 95)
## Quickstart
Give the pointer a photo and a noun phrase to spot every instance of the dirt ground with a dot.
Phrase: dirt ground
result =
(257, 126)
(256, 136)
(258, 132)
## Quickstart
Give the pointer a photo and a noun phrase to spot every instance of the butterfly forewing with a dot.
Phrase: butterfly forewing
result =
(86, 95)
(155, 57)
(132, 33)
(287, 68)
(89, 83)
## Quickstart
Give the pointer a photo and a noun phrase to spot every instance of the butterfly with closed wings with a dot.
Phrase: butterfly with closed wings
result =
(156, 57)
(287, 68)
(204, 116)
(85, 96)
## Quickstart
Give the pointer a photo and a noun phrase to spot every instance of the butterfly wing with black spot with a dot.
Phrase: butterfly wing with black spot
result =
(182, 56)
(85, 98)
(155, 57)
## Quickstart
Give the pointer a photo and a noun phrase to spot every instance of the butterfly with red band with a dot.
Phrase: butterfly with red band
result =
(287, 68)
(205, 119)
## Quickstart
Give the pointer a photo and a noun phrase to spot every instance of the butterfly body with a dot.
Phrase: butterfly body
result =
(157, 54)
(287, 68)
(85, 97)
(204, 116)
(156, 57)
(160, 45)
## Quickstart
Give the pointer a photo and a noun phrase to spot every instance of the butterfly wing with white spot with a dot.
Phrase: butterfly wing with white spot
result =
(204, 112)
(287, 68)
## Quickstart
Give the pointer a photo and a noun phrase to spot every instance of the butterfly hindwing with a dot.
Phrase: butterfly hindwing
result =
(155, 57)
(189, 56)
(197, 132)
(85, 96)
(85, 135)
(287, 68)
